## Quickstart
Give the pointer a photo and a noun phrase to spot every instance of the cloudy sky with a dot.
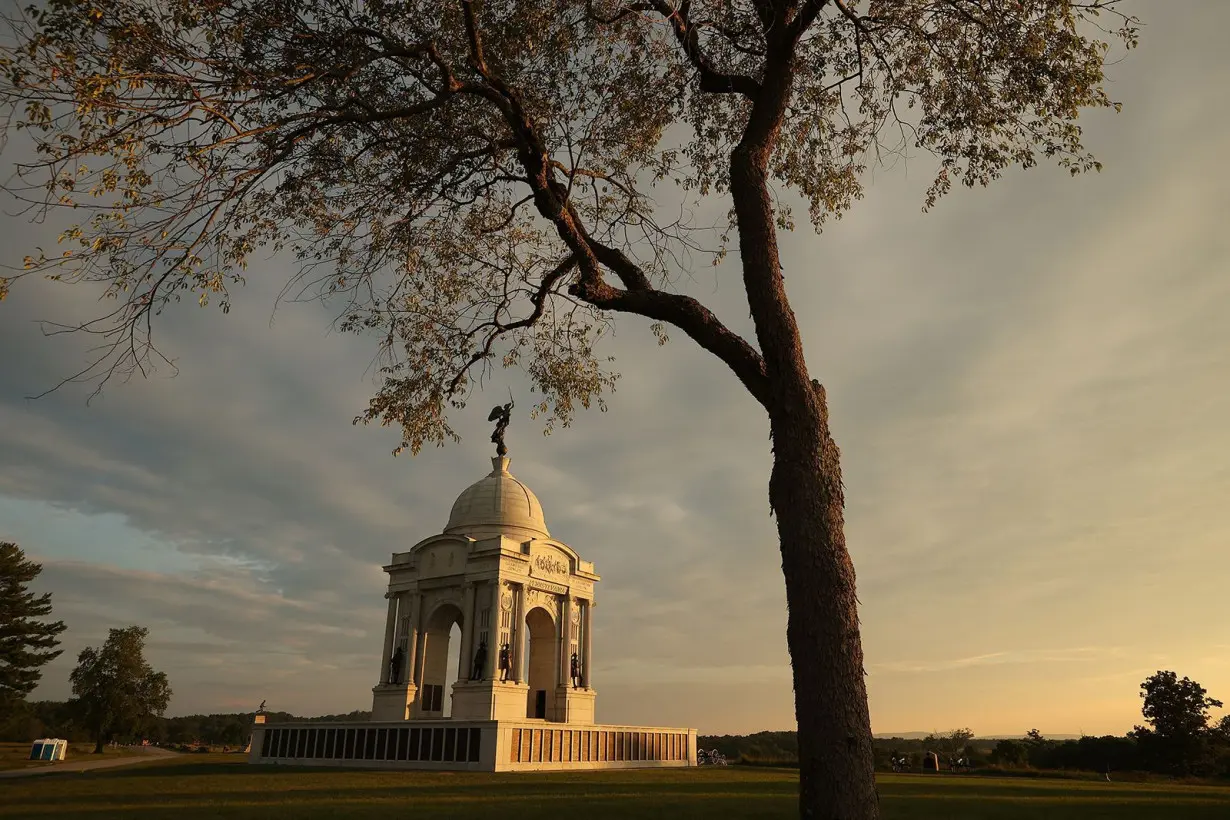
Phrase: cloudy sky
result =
(1029, 386)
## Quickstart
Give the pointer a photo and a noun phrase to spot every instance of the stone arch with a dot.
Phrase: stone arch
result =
(542, 662)
(436, 638)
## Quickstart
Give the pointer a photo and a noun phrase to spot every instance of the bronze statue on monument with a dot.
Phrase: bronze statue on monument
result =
(480, 661)
(574, 665)
(501, 415)
(395, 664)
(505, 662)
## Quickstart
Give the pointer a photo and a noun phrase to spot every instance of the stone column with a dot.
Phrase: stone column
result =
(492, 670)
(587, 636)
(518, 633)
(390, 624)
(420, 654)
(564, 655)
(465, 664)
(412, 639)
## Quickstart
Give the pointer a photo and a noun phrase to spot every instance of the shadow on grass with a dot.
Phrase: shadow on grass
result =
(197, 789)
(312, 793)
(1075, 791)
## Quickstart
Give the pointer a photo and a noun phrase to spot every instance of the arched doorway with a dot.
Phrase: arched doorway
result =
(443, 623)
(542, 662)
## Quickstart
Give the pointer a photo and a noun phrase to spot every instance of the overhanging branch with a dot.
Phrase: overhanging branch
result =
(690, 316)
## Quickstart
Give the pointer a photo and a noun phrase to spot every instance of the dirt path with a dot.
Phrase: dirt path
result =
(147, 753)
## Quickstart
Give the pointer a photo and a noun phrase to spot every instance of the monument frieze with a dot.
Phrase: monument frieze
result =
(548, 566)
(539, 585)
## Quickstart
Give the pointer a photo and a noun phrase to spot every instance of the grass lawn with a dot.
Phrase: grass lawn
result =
(199, 786)
(17, 755)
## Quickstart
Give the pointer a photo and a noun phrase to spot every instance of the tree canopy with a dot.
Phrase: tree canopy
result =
(28, 640)
(114, 689)
(476, 182)
(1174, 707)
(1180, 740)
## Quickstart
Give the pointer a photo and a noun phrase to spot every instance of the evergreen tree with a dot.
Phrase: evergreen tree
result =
(27, 641)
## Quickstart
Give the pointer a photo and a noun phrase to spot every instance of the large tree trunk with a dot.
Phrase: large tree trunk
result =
(836, 768)
(836, 765)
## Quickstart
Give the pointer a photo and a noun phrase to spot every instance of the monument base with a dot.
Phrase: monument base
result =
(574, 705)
(393, 701)
(473, 745)
(488, 700)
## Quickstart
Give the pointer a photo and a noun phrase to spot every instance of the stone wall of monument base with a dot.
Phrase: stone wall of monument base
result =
(483, 746)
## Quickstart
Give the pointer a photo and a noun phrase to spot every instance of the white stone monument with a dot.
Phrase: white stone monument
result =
(523, 699)
(523, 601)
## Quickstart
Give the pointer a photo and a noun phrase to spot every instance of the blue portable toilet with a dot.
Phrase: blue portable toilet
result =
(49, 748)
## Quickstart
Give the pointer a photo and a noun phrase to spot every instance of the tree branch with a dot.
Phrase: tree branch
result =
(639, 297)
(539, 300)
(803, 20)
(690, 316)
(712, 79)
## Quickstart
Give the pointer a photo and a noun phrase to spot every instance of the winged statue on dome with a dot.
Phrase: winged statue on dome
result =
(501, 415)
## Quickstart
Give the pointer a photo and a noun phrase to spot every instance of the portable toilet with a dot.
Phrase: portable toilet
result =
(48, 748)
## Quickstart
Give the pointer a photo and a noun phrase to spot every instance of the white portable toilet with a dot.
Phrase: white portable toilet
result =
(49, 749)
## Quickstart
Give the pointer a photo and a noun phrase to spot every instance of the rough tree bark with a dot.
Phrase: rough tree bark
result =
(837, 780)
(835, 752)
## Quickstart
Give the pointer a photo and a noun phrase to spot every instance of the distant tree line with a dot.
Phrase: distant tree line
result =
(781, 748)
(1180, 740)
(49, 718)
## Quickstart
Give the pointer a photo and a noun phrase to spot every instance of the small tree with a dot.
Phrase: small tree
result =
(949, 745)
(1008, 753)
(27, 641)
(1178, 712)
(114, 689)
(1176, 708)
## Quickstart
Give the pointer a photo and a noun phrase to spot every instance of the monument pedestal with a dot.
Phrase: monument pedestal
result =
(393, 701)
(489, 700)
(574, 705)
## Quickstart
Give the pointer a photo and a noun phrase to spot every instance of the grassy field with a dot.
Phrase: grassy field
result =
(200, 786)
(17, 755)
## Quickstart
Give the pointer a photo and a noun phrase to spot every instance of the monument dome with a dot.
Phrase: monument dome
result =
(497, 504)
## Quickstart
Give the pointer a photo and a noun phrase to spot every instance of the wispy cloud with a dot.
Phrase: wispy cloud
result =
(1083, 654)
